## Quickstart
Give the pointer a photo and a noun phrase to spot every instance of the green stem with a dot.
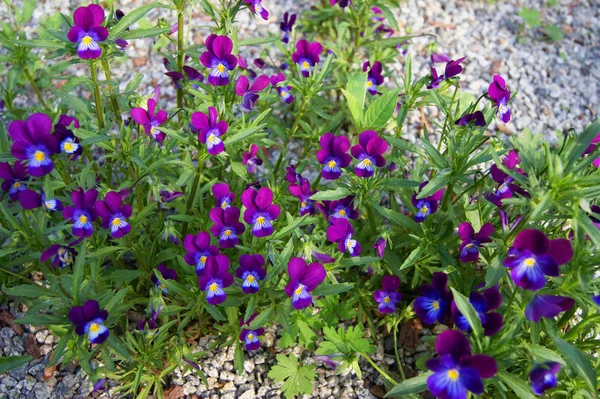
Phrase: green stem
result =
(400, 368)
(449, 116)
(36, 89)
(316, 183)
(190, 201)
(180, 53)
(97, 98)
(289, 137)
(16, 275)
(379, 370)
(113, 98)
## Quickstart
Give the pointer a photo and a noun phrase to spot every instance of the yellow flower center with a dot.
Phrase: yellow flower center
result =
(87, 40)
(221, 68)
(386, 299)
(16, 184)
(68, 146)
(469, 246)
(212, 139)
(203, 259)
(367, 162)
(250, 278)
(213, 287)
(332, 164)
(436, 305)
(303, 204)
(39, 155)
(83, 219)
(224, 205)
(299, 289)
(94, 327)
(424, 209)
(453, 374)
(162, 286)
(260, 219)
(342, 212)
(369, 84)
(153, 130)
(529, 262)
(305, 65)
(250, 337)
(116, 221)
(228, 233)
(61, 251)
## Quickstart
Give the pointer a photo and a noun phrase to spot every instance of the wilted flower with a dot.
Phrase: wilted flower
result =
(456, 371)
(167, 274)
(501, 95)
(548, 306)
(219, 59)
(87, 31)
(63, 255)
(14, 178)
(476, 118)
(341, 231)
(452, 69)
(215, 278)
(34, 144)
(338, 209)
(223, 197)
(483, 305)
(249, 92)
(99, 385)
(227, 226)
(388, 296)
(30, 199)
(286, 26)
(434, 303)
(88, 320)
(427, 205)
(533, 255)
(440, 57)
(260, 211)
(83, 211)
(369, 151)
(150, 119)
(257, 8)
(379, 246)
(251, 271)
(303, 192)
(210, 130)
(374, 77)
(168, 196)
(333, 155)
(323, 258)
(328, 360)
(250, 337)
(303, 280)
(199, 250)
(250, 159)
(307, 56)
(543, 377)
(469, 247)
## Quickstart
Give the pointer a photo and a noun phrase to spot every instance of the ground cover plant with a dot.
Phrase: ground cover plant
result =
(286, 191)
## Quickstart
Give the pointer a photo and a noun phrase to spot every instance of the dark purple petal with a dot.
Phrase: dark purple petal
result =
(454, 343)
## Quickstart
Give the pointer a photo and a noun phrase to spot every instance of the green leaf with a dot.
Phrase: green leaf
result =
(27, 10)
(331, 195)
(117, 346)
(533, 18)
(12, 362)
(74, 103)
(397, 183)
(60, 348)
(396, 217)
(259, 40)
(543, 353)
(469, 312)
(144, 33)
(42, 320)
(27, 291)
(359, 260)
(131, 17)
(124, 276)
(413, 385)
(302, 221)
(262, 318)
(238, 358)
(296, 380)
(554, 32)
(242, 135)
(102, 252)
(39, 43)
(520, 387)
(389, 15)
(332, 289)
(412, 258)
(435, 157)
(355, 94)
(440, 181)
(78, 269)
(381, 110)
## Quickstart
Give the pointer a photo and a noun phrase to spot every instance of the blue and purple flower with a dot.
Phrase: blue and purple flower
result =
(283, 90)
(249, 92)
(548, 306)
(218, 59)
(374, 77)
(251, 271)
(167, 274)
(114, 214)
(88, 32)
(14, 177)
(303, 280)
(543, 377)
(150, 119)
(210, 129)
(533, 256)
(499, 93)
(388, 296)
(88, 319)
(251, 159)
(257, 8)
(83, 212)
(227, 226)
(250, 337)
(62, 255)
(260, 211)
(434, 303)
(286, 26)
(34, 144)
(471, 242)
(333, 155)
(307, 55)
(303, 192)
(506, 186)
(215, 279)
(68, 143)
(484, 304)
(427, 205)
(30, 199)
(199, 250)
(476, 118)
(341, 231)
(369, 152)
(223, 196)
(338, 209)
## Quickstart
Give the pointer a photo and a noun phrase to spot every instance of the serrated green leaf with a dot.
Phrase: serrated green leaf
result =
(381, 110)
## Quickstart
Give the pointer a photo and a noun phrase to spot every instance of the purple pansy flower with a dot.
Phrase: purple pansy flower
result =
(168, 196)
(338, 209)
(215, 278)
(210, 130)
(506, 187)
(83, 212)
(500, 94)
(307, 56)
(283, 91)
(87, 31)
(189, 73)
(292, 175)
(303, 280)
(260, 211)
(286, 26)
(150, 119)
(456, 371)
(223, 197)
(219, 59)
(333, 155)
(14, 178)
(30, 199)
(323, 258)
(227, 226)
(199, 250)
(250, 337)
(374, 77)
(250, 159)
(257, 8)
(483, 304)
(303, 192)
(533, 256)
(452, 69)
(114, 214)
(341, 3)
(251, 272)
(62, 255)
(379, 246)
(469, 247)
(249, 92)
(428, 205)
(341, 231)
(167, 274)
(121, 43)
(439, 58)
(476, 118)
(376, 19)
(388, 296)
(67, 141)
(434, 303)
(34, 144)
(548, 306)
(543, 377)
(88, 320)
(369, 151)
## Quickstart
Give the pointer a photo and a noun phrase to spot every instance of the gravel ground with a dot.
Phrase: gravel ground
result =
(558, 90)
